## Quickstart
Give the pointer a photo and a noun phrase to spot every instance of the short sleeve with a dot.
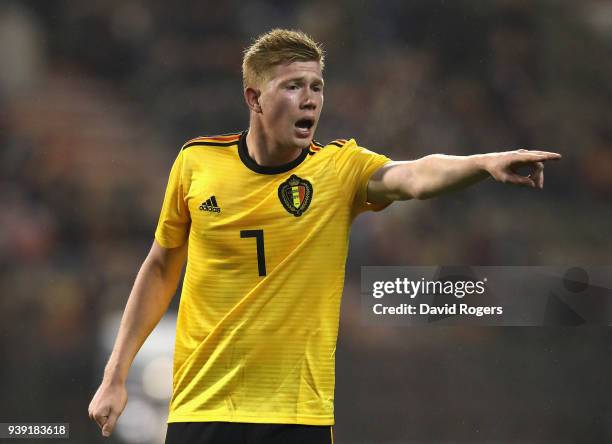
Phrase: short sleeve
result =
(173, 225)
(355, 165)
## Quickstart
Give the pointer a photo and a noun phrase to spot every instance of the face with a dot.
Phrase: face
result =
(291, 101)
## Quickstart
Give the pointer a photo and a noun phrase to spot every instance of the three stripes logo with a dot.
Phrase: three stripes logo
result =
(210, 205)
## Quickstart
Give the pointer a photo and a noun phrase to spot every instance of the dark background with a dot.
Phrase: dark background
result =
(96, 97)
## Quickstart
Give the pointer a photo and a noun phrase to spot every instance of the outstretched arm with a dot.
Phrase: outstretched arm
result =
(435, 174)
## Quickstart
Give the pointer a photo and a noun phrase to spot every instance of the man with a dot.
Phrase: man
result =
(263, 218)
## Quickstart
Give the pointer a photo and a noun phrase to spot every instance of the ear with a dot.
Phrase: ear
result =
(251, 96)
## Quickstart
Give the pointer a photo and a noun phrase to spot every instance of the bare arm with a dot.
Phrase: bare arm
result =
(152, 292)
(438, 173)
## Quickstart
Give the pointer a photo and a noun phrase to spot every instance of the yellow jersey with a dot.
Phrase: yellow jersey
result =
(258, 318)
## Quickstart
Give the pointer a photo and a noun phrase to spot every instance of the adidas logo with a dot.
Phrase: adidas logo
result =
(210, 205)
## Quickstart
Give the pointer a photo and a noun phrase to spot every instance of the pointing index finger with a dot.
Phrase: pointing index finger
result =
(540, 156)
(545, 152)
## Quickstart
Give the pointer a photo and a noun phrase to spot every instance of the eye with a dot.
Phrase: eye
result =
(292, 87)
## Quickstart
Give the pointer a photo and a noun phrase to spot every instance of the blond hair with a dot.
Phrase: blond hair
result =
(278, 47)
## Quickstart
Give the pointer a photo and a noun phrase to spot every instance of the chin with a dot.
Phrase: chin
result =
(304, 143)
(299, 142)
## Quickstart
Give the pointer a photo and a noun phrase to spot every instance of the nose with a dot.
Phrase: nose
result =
(308, 100)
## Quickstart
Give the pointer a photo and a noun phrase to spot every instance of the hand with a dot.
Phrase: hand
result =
(106, 406)
(503, 166)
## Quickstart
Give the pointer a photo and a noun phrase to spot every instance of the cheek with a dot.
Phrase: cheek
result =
(280, 109)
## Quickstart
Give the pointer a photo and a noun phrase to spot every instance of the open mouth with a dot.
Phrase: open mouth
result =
(304, 124)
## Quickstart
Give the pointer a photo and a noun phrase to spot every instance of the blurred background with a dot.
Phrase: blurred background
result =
(97, 97)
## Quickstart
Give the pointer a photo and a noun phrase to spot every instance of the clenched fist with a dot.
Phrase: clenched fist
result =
(107, 404)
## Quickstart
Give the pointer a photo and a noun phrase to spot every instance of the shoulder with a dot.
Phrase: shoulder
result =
(339, 143)
(205, 148)
(221, 140)
(331, 147)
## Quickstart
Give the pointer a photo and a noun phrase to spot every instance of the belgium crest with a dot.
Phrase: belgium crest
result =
(295, 194)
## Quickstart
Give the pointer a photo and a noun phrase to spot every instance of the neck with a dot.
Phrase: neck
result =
(266, 151)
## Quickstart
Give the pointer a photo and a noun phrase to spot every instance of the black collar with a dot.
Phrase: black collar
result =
(243, 151)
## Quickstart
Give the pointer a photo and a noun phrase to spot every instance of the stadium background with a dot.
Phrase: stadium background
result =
(97, 96)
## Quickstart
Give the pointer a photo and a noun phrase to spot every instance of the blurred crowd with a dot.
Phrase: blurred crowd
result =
(97, 97)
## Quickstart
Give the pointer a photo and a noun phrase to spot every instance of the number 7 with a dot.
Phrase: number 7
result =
(261, 254)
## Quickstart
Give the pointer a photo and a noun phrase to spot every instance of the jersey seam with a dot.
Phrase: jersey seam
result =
(182, 189)
(339, 187)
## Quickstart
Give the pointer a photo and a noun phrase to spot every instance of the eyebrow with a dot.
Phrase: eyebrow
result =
(302, 79)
